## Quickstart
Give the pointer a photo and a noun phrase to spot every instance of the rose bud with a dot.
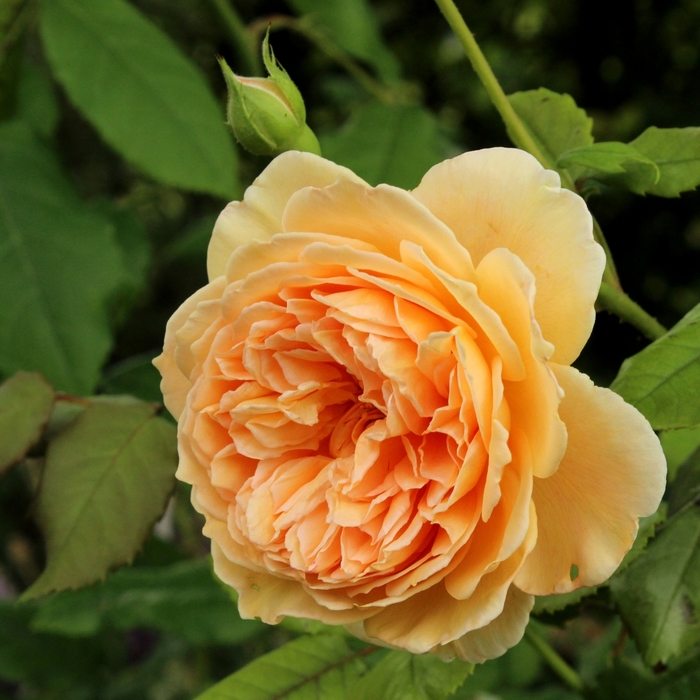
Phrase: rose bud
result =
(267, 115)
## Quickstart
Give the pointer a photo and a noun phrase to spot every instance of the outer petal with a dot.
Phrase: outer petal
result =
(259, 215)
(175, 383)
(612, 473)
(498, 636)
(271, 598)
(503, 198)
(383, 216)
(433, 617)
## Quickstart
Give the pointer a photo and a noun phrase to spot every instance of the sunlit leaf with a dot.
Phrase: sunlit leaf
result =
(107, 478)
(555, 122)
(404, 676)
(395, 144)
(147, 100)
(613, 163)
(26, 400)
(60, 267)
(309, 668)
(659, 593)
(677, 154)
(353, 25)
(182, 599)
(662, 380)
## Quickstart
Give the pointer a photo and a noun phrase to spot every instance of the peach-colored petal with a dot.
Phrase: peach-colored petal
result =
(494, 639)
(503, 198)
(271, 598)
(610, 476)
(175, 384)
(508, 287)
(259, 215)
(433, 617)
(383, 216)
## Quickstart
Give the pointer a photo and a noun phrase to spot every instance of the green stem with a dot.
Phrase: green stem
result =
(556, 663)
(518, 132)
(618, 303)
(250, 58)
(378, 90)
(610, 273)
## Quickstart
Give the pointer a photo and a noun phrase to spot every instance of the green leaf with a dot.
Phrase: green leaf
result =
(404, 676)
(146, 99)
(678, 445)
(613, 163)
(42, 659)
(352, 24)
(659, 593)
(662, 380)
(677, 154)
(626, 680)
(36, 99)
(548, 604)
(555, 122)
(395, 144)
(26, 401)
(308, 668)
(60, 266)
(607, 157)
(135, 376)
(182, 599)
(107, 479)
(685, 490)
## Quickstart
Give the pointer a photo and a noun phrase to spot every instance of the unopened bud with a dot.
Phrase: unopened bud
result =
(267, 115)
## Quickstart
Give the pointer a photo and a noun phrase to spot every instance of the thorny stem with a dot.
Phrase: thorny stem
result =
(243, 41)
(556, 663)
(378, 90)
(617, 302)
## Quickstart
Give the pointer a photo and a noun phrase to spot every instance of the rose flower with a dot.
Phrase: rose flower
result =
(377, 411)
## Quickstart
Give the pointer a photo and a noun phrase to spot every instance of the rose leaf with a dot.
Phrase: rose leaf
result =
(182, 599)
(26, 400)
(393, 144)
(554, 120)
(47, 236)
(145, 98)
(404, 676)
(306, 668)
(107, 479)
(676, 152)
(662, 380)
(658, 595)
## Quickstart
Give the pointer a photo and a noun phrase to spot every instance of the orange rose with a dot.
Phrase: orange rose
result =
(376, 408)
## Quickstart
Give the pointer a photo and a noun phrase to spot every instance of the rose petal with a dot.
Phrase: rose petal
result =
(610, 476)
(508, 287)
(176, 383)
(433, 617)
(497, 637)
(383, 216)
(503, 198)
(271, 598)
(259, 215)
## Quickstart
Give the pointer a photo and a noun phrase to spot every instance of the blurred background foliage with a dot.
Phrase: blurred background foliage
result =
(389, 92)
